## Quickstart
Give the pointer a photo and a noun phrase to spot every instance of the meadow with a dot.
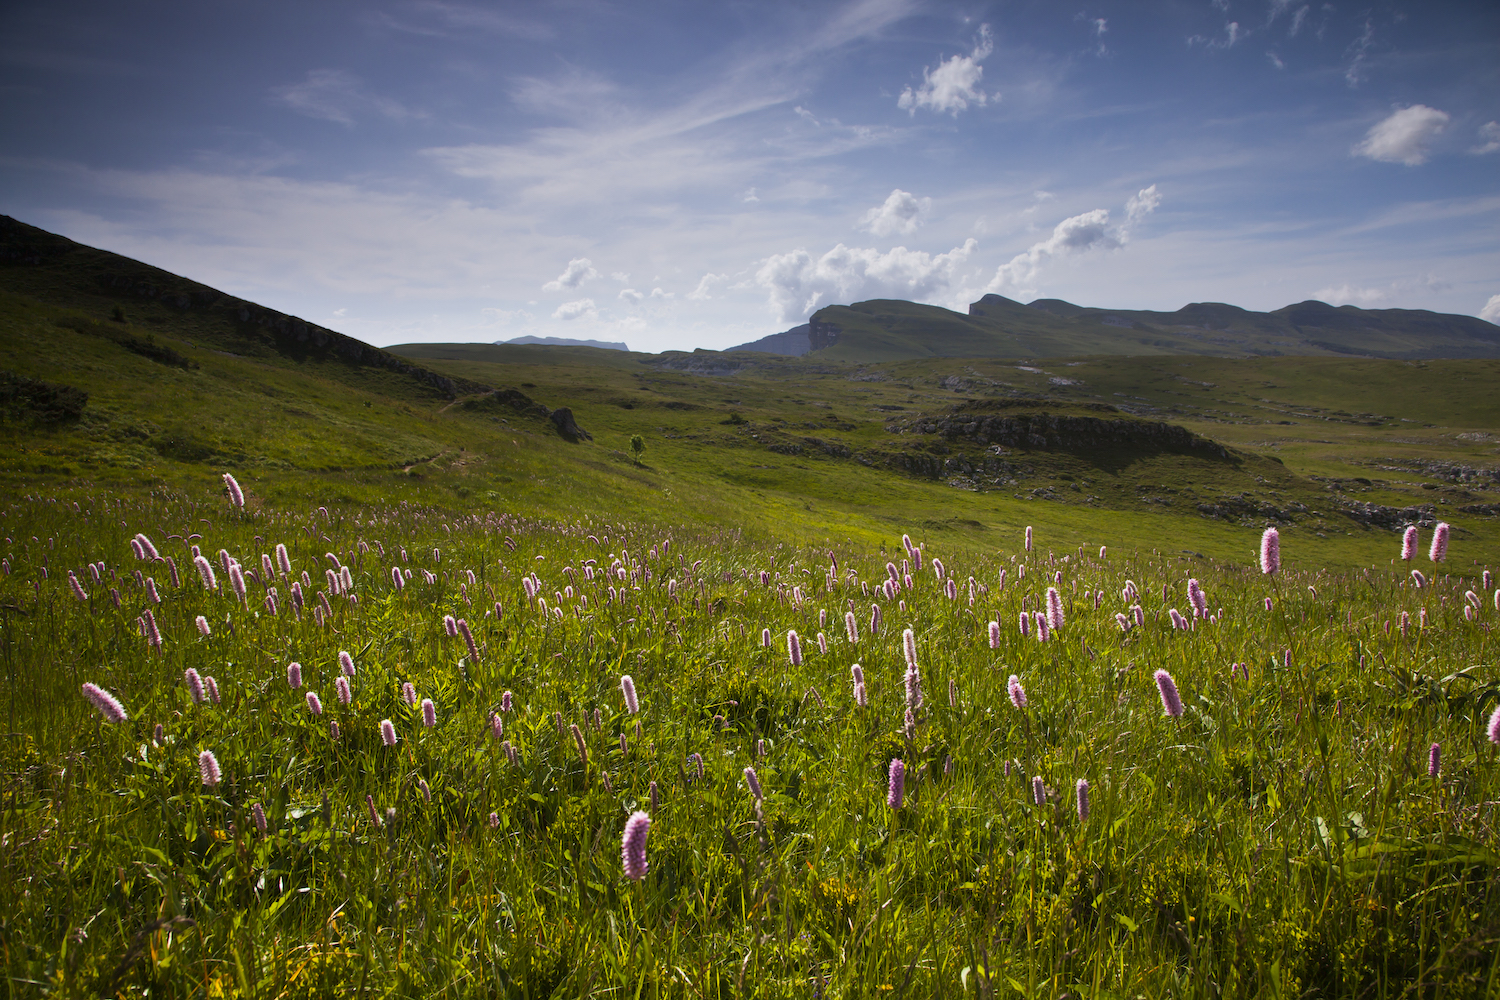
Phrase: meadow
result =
(432, 803)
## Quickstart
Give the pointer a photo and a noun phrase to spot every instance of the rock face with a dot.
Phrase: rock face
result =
(562, 419)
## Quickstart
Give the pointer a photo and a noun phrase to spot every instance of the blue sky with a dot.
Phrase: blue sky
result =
(689, 174)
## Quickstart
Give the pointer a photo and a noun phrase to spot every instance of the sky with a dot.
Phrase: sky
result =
(677, 175)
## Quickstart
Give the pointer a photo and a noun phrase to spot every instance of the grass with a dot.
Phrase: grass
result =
(1281, 838)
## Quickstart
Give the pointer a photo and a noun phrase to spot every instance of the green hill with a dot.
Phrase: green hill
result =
(888, 330)
(120, 375)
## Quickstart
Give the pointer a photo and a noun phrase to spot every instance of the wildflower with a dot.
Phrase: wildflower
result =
(205, 572)
(822, 644)
(505, 702)
(994, 635)
(341, 685)
(1270, 551)
(409, 693)
(851, 626)
(1028, 538)
(195, 685)
(1418, 580)
(202, 624)
(346, 663)
(426, 792)
(633, 846)
(151, 593)
(1409, 543)
(937, 567)
(583, 750)
(468, 637)
(794, 649)
(212, 686)
(258, 813)
(1439, 550)
(1054, 608)
(1197, 598)
(753, 783)
(77, 587)
(1038, 791)
(237, 581)
(1024, 622)
(1017, 692)
(314, 704)
(374, 813)
(874, 619)
(627, 688)
(1434, 759)
(1178, 621)
(236, 495)
(387, 732)
(897, 784)
(1493, 728)
(153, 634)
(913, 688)
(697, 762)
(450, 627)
(208, 769)
(1083, 799)
(1170, 702)
(283, 561)
(765, 638)
(1042, 632)
(1124, 621)
(429, 713)
(911, 725)
(108, 705)
(333, 731)
(148, 549)
(397, 580)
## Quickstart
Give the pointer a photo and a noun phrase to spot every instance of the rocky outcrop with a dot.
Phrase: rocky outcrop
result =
(562, 419)
(1043, 431)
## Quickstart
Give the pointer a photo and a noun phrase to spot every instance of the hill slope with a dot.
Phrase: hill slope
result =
(890, 330)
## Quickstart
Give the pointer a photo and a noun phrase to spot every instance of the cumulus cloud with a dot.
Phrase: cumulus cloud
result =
(630, 295)
(1491, 311)
(1489, 134)
(576, 309)
(902, 213)
(1071, 237)
(579, 270)
(798, 283)
(954, 84)
(704, 291)
(1404, 137)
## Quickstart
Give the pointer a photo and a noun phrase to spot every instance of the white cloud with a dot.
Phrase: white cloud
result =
(657, 293)
(1404, 136)
(1070, 237)
(704, 291)
(1491, 311)
(336, 96)
(805, 114)
(573, 310)
(1142, 204)
(798, 283)
(954, 84)
(620, 276)
(1489, 132)
(1351, 295)
(902, 213)
(579, 270)
(630, 295)
(1358, 49)
(750, 197)
(1275, 60)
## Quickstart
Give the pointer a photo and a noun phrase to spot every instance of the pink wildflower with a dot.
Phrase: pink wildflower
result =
(1017, 692)
(633, 846)
(1171, 703)
(429, 713)
(1409, 543)
(208, 769)
(387, 732)
(1439, 550)
(896, 785)
(627, 688)
(108, 705)
(1270, 551)
(752, 781)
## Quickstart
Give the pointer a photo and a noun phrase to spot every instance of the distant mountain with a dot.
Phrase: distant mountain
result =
(608, 345)
(995, 326)
(57, 271)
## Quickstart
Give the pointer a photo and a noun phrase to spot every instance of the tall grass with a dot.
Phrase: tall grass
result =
(1282, 837)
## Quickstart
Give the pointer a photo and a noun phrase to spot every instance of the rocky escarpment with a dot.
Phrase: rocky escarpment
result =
(996, 422)
(514, 402)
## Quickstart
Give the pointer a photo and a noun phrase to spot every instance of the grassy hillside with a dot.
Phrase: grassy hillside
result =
(888, 330)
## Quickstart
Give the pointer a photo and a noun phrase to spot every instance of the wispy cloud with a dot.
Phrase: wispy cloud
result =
(336, 96)
(1489, 139)
(1071, 237)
